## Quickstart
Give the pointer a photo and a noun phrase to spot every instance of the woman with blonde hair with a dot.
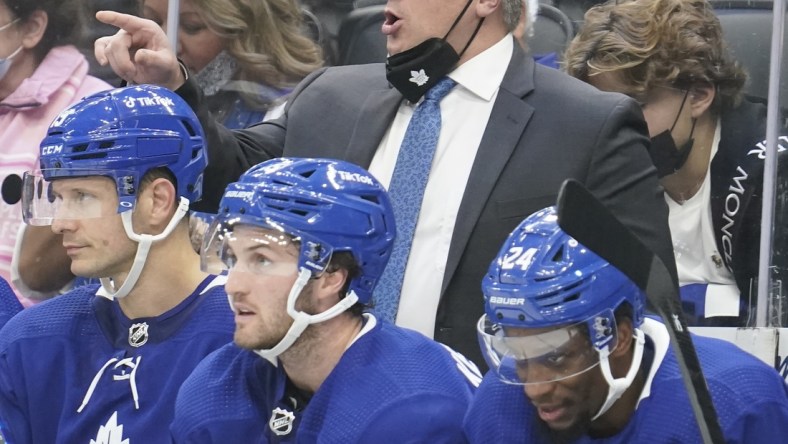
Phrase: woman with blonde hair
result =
(246, 55)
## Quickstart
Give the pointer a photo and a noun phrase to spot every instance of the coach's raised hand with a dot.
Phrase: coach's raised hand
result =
(139, 52)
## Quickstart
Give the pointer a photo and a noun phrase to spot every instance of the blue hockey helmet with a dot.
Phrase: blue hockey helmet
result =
(122, 134)
(330, 206)
(542, 277)
(547, 297)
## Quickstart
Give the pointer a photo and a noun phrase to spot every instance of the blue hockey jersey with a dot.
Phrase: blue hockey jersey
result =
(391, 385)
(75, 369)
(750, 398)
(9, 304)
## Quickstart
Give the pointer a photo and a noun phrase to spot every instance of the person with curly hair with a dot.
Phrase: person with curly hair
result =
(707, 142)
(247, 54)
(41, 73)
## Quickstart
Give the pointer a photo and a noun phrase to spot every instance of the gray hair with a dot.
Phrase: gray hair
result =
(511, 13)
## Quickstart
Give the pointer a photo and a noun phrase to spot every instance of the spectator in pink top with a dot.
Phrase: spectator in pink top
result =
(41, 73)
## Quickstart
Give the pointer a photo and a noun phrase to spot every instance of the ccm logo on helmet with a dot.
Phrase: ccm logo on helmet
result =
(355, 177)
(506, 301)
(51, 149)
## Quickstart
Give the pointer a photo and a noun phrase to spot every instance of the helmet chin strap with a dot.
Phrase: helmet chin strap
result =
(144, 241)
(620, 385)
(302, 320)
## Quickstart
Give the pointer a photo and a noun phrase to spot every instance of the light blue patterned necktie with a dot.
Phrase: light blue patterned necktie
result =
(407, 192)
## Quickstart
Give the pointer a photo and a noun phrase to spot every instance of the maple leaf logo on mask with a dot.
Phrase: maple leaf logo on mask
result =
(419, 77)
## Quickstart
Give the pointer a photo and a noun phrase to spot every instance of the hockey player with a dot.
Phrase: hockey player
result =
(305, 241)
(103, 363)
(573, 359)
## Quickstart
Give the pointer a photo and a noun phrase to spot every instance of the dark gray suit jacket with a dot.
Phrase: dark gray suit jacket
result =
(545, 127)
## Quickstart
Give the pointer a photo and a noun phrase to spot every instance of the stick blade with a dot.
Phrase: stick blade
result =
(582, 216)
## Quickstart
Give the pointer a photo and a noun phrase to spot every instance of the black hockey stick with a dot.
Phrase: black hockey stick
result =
(584, 218)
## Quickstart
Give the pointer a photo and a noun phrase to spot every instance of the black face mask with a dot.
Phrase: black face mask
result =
(666, 156)
(415, 71)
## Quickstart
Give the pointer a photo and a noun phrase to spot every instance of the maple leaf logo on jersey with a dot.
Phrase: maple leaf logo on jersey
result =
(110, 433)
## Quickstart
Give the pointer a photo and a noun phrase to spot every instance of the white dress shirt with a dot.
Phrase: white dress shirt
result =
(464, 115)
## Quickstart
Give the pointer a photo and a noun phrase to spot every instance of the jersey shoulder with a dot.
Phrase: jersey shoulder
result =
(501, 404)
(728, 368)
(388, 378)
(207, 311)
(9, 303)
(68, 314)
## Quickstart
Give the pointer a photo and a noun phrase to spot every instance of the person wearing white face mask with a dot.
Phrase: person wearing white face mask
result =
(5, 63)
(41, 73)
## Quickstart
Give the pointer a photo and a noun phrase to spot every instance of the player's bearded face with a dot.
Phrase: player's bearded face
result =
(264, 269)
(274, 324)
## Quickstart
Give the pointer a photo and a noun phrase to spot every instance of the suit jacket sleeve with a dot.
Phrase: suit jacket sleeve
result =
(622, 176)
(231, 153)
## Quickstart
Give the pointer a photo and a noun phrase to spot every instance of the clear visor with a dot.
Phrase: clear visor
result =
(237, 245)
(84, 196)
(534, 356)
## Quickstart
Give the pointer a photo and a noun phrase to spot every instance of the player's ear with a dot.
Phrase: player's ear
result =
(327, 289)
(625, 332)
(157, 202)
(331, 284)
(621, 357)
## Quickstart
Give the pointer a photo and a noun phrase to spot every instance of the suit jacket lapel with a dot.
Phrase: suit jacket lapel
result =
(375, 117)
(508, 119)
